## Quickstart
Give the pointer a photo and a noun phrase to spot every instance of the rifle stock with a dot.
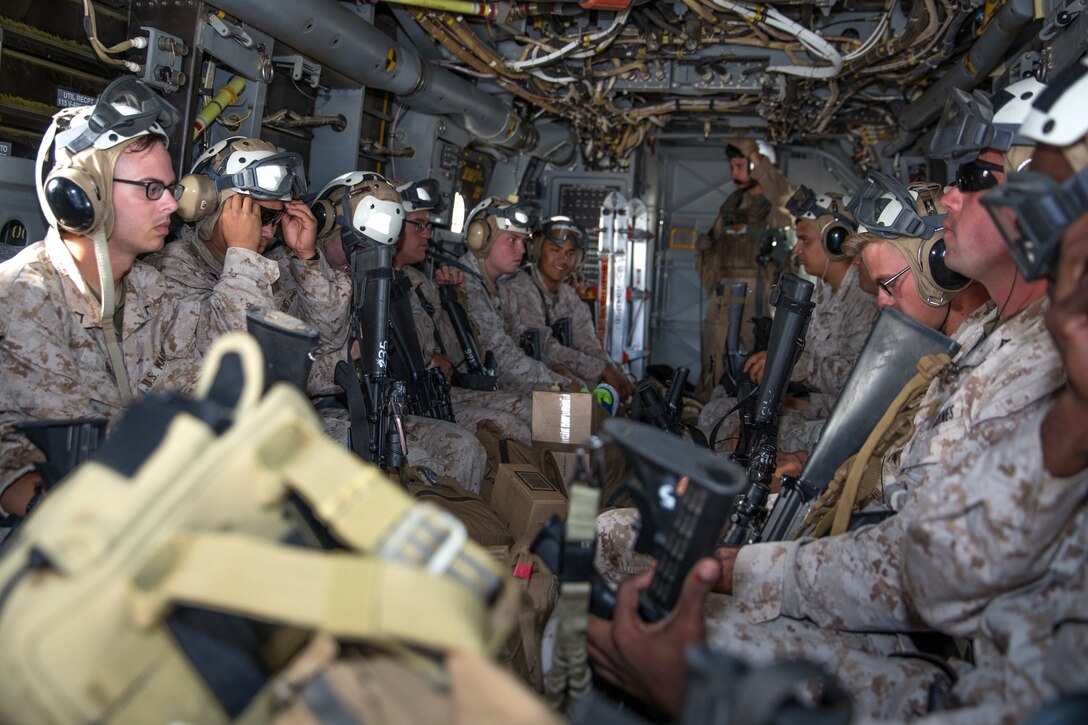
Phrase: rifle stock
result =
(886, 363)
(677, 530)
(287, 345)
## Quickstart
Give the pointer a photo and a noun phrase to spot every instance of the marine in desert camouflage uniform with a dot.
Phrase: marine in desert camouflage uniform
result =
(824, 598)
(537, 298)
(53, 345)
(511, 412)
(496, 246)
(735, 250)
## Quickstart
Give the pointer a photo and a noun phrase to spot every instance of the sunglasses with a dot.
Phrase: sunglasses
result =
(270, 216)
(977, 176)
(886, 285)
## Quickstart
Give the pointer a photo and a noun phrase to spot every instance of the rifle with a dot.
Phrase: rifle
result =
(676, 529)
(377, 402)
(480, 374)
(529, 342)
(735, 356)
(429, 393)
(756, 451)
(562, 330)
(287, 344)
(886, 363)
(668, 414)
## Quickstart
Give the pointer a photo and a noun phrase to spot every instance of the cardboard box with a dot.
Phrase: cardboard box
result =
(524, 499)
(564, 420)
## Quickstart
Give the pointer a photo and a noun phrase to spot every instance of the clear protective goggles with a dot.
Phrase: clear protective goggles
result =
(558, 230)
(422, 196)
(885, 207)
(128, 108)
(1032, 211)
(276, 176)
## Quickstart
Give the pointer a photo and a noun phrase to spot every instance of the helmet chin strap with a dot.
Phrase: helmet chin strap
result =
(106, 291)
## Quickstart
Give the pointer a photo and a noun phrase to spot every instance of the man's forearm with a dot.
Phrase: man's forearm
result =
(1065, 437)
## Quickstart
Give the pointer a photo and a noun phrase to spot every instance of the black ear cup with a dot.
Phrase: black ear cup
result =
(74, 199)
(325, 213)
(478, 233)
(945, 278)
(834, 238)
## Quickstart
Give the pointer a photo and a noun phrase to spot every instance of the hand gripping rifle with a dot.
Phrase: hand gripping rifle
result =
(756, 451)
(886, 363)
(378, 401)
(481, 372)
(429, 393)
(676, 529)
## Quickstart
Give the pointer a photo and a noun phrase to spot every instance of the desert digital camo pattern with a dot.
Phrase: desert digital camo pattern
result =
(516, 370)
(837, 331)
(310, 290)
(55, 361)
(829, 589)
(446, 448)
(615, 556)
(528, 304)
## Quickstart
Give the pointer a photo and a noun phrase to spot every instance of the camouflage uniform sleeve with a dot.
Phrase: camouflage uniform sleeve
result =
(988, 531)
(591, 356)
(313, 291)
(515, 368)
(836, 348)
(246, 279)
(851, 581)
(776, 187)
(424, 319)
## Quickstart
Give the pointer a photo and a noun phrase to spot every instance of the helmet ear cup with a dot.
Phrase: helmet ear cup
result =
(478, 235)
(325, 213)
(74, 197)
(943, 278)
(197, 198)
(834, 237)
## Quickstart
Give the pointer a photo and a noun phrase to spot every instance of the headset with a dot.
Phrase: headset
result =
(828, 212)
(76, 195)
(493, 216)
(251, 166)
(378, 214)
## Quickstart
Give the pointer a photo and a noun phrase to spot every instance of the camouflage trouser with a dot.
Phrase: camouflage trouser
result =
(511, 412)
(445, 448)
(615, 557)
(718, 405)
(882, 687)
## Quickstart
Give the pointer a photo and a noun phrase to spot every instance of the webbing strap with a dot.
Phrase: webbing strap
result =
(929, 366)
(105, 284)
(569, 676)
(349, 596)
(370, 514)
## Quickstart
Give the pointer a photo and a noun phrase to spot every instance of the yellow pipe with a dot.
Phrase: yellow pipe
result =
(487, 10)
(227, 96)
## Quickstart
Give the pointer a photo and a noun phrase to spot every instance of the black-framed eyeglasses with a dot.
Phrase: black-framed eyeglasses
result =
(886, 285)
(977, 175)
(270, 216)
(421, 227)
(154, 189)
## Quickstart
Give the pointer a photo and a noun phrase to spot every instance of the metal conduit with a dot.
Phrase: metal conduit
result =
(339, 39)
(979, 62)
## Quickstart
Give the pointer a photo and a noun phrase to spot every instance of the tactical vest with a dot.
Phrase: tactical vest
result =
(179, 574)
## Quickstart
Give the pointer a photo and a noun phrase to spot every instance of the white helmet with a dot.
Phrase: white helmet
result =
(363, 202)
(1058, 116)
